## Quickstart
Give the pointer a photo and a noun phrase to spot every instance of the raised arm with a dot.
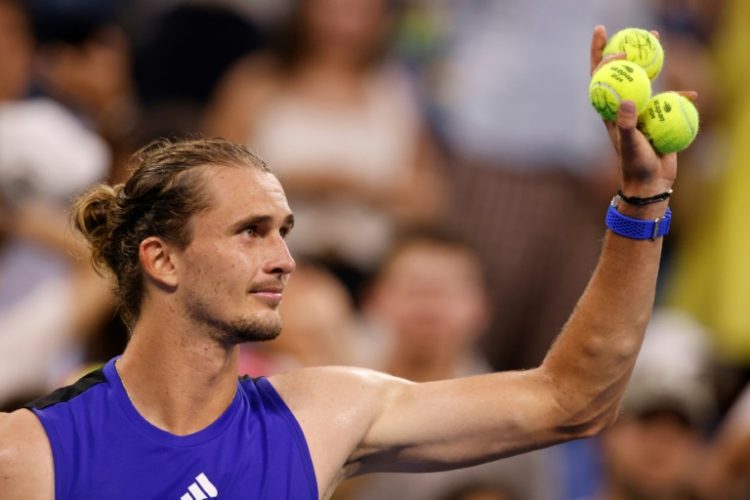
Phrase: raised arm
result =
(574, 393)
(577, 389)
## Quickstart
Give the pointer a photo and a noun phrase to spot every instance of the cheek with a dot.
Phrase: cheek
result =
(210, 269)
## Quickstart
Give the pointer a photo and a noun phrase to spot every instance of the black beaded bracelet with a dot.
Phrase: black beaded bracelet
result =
(634, 200)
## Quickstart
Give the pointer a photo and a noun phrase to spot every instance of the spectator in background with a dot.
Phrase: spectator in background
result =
(134, 92)
(319, 327)
(181, 56)
(429, 305)
(340, 126)
(46, 156)
(16, 50)
(655, 448)
(39, 327)
(506, 68)
(84, 62)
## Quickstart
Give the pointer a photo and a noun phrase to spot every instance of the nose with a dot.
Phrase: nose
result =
(279, 261)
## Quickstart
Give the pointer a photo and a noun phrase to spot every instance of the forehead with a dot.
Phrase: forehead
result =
(241, 191)
(435, 261)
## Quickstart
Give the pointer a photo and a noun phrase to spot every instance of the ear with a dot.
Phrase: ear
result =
(157, 262)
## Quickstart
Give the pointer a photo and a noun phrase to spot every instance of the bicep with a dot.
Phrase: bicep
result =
(455, 423)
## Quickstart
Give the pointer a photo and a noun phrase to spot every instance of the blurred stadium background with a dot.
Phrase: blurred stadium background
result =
(449, 179)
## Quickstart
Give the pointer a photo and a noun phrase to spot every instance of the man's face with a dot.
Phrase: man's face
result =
(232, 274)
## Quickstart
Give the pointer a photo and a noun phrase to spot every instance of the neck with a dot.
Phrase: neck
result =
(177, 377)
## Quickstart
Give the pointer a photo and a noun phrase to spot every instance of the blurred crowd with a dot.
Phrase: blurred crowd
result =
(449, 181)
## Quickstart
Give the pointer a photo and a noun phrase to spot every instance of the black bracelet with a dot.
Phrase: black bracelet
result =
(634, 200)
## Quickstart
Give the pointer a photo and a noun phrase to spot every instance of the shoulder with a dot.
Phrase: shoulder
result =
(26, 469)
(334, 386)
(354, 398)
(336, 407)
(21, 433)
(240, 96)
(252, 78)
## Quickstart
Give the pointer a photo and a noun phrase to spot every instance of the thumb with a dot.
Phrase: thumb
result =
(627, 119)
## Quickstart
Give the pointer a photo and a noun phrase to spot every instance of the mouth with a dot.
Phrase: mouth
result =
(271, 295)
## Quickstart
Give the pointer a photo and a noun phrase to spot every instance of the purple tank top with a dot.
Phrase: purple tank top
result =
(104, 449)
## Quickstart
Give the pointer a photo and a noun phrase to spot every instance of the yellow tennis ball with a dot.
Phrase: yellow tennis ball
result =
(670, 122)
(617, 81)
(640, 46)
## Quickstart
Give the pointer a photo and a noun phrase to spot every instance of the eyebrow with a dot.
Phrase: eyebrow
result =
(261, 219)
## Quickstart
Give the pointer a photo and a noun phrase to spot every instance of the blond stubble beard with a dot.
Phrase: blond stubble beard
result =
(238, 331)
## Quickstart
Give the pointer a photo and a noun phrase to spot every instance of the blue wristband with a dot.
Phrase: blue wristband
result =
(637, 229)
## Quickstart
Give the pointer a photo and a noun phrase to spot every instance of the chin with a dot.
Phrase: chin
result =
(241, 331)
(255, 330)
(255, 326)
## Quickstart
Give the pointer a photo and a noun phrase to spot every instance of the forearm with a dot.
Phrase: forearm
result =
(576, 391)
(590, 362)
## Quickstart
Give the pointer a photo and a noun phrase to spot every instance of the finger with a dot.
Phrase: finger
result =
(627, 118)
(691, 95)
(656, 34)
(612, 132)
(609, 58)
(598, 42)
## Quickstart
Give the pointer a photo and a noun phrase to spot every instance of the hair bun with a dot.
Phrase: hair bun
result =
(93, 217)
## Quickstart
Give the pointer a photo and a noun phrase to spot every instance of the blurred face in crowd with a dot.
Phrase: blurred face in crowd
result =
(231, 276)
(346, 26)
(432, 296)
(651, 456)
(318, 319)
(91, 75)
(16, 50)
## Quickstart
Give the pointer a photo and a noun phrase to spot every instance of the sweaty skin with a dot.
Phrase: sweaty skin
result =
(355, 420)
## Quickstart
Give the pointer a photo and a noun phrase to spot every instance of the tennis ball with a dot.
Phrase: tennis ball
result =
(669, 121)
(616, 81)
(640, 46)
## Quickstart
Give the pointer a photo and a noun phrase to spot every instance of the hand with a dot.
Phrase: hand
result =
(644, 172)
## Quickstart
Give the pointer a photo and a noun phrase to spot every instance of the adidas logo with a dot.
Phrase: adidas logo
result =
(201, 489)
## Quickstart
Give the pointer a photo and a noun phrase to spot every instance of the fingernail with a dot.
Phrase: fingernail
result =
(627, 107)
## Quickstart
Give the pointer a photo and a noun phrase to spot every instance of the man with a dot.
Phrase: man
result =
(196, 242)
